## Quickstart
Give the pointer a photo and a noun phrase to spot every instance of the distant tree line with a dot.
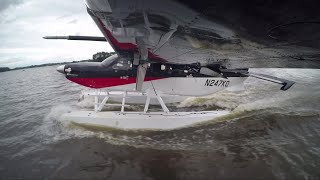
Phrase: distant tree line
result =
(100, 56)
(3, 69)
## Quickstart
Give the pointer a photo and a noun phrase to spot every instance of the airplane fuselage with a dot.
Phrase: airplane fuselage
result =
(175, 79)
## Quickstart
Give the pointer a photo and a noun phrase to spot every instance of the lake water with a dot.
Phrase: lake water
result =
(269, 134)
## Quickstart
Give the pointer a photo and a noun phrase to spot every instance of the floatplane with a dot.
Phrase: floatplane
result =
(165, 50)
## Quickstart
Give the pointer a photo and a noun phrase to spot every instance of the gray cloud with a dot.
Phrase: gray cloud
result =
(25, 22)
(73, 21)
(64, 16)
(9, 3)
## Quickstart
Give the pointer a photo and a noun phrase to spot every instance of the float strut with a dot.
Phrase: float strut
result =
(96, 102)
(164, 107)
(123, 101)
(102, 104)
(146, 106)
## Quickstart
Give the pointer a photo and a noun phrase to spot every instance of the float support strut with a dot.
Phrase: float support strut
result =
(123, 101)
(163, 105)
(147, 104)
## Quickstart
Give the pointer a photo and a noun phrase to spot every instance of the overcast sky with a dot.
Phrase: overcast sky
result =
(23, 23)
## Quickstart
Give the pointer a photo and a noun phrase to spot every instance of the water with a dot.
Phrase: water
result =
(270, 134)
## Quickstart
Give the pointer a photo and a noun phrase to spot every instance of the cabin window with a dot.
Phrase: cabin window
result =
(122, 65)
(163, 67)
(107, 62)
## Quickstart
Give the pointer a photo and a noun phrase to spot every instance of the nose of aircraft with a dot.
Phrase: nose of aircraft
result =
(60, 69)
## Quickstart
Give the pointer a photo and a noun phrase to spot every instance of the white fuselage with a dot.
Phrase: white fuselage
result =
(186, 86)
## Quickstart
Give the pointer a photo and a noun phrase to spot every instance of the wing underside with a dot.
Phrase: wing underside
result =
(228, 32)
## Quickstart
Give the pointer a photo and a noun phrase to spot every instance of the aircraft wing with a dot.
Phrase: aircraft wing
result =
(236, 34)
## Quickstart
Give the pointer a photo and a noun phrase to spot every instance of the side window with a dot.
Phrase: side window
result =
(163, 67)
(122, 65)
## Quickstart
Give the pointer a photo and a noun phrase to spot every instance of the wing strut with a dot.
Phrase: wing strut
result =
(141, 73)
(140, 60)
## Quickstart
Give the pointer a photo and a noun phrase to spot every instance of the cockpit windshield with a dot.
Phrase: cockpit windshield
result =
(109, 60)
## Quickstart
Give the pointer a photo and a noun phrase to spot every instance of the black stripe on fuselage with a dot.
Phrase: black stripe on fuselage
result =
(97, 70)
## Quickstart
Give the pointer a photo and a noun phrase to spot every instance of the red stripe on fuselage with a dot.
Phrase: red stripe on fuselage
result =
(106, 82)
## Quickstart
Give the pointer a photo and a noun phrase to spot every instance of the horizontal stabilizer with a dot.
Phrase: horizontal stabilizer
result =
(80, 38)
(286, 84)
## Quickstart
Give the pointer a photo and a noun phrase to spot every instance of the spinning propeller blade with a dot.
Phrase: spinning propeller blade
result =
(81, 38)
